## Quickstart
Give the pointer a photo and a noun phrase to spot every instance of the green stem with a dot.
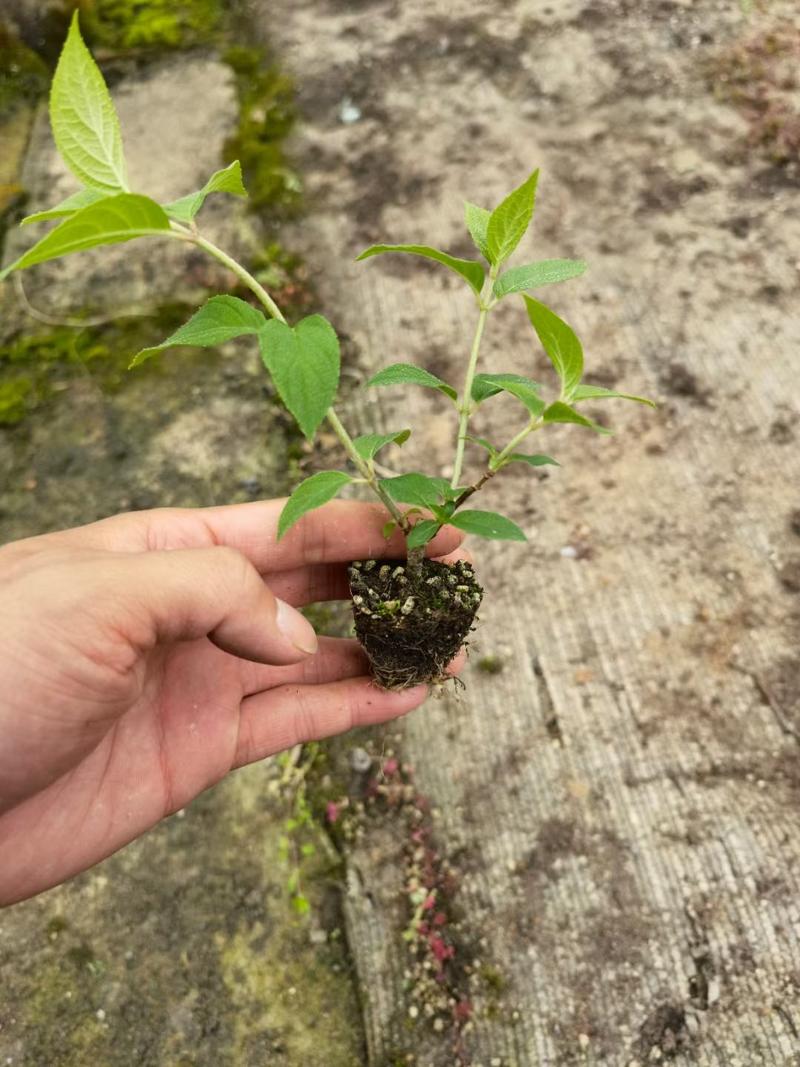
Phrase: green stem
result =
(533, 425)
(498, 462)
(366, 471)
(243, 275)
(347, 442)
(465, 400)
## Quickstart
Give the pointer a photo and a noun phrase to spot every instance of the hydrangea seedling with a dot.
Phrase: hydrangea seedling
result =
(434, 604)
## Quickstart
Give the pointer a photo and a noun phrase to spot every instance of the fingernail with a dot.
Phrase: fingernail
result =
(295, 628)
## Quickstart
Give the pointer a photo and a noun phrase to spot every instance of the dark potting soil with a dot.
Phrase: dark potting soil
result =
(412, 621)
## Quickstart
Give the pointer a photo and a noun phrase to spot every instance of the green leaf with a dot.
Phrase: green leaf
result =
(388, 529)
(83, 198)
(532, 275)
(559, 342)
(228, 180)
(509, 221)
(409, 374)
(483, 443)
(369, 444)
(304, 364)
(312, 493)
(532, 460)
(488, 524)
(477, 220)
(301, 904)
(110, 221)
(416, 489)
(83, 118)
(596, 392)
(220, 319)
(486, 385)
(467, 268)
(559, 412)
(422, 532)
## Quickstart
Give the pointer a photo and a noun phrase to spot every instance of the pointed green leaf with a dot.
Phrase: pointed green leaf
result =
(83, 118)
(304, 364)
(312, 493)
(596, 392)
(409, 374)
(467, 268)
(488, 524)
(532, 275)
(559, 342)
(532, 460)
(486, 385)
(388, 529)
(369, 444)
(524, 389)
(559, 412)
(442, 512)
(487, 445)
(83, 198)
(228, 180)
(477, 220)
(220, 319)
(509, 221)
(422, 532)
(416, 489)
(110, 221)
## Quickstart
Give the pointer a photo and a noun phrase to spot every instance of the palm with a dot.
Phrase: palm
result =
(116, 713)
(177, 738)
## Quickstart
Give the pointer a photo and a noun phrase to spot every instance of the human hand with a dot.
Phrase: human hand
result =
(145, 656)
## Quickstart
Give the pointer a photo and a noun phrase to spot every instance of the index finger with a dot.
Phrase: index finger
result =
(339, 531)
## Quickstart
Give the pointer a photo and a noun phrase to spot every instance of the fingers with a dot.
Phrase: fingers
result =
(311, 585)
(205, 592)
(336, 658)
(294, 714)
(340, 531)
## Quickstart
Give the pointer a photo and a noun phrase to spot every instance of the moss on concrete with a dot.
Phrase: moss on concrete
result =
(35, 366)
(24, 76)
(136, 25)
(179, 951)
(266, 116)
(183, 950)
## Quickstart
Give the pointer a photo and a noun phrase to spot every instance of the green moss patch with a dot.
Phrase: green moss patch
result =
(266, 116)
(34, 367)
(160, 25)
(24, 76)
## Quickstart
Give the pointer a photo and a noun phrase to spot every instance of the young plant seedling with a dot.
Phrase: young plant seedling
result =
(412, 615)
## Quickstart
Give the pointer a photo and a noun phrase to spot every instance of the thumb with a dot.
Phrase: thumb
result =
(184, 594)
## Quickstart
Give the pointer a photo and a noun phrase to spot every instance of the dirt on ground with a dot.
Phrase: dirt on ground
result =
(590, 856)
(616, 793)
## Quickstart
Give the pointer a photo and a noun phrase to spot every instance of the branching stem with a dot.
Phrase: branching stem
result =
(465, 400)
(364, 468)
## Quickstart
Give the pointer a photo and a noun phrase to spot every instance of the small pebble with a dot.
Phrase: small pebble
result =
(360, 760)
(349, 112)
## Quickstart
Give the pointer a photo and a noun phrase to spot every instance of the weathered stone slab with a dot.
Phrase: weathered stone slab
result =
(175, 118)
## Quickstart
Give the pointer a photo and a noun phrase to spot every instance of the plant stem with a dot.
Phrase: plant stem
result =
(465, 400)
(498, 462)
(364, 468)
(243, 275)
(533, 425)
(346, 440)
